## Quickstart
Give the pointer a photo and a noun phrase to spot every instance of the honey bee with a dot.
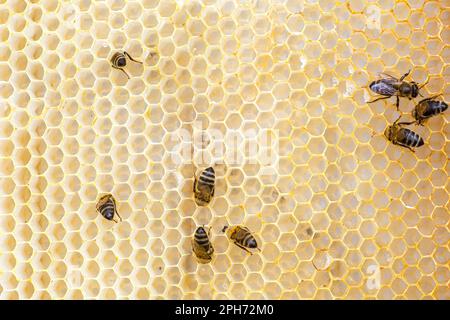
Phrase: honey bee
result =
(204, 186)
(107, 207)
(403, 136)
(201, 245)
(391, 86)
(119, 61)
(242, 237)
(427, 108)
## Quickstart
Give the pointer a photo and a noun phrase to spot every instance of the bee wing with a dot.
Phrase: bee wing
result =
(193, 244)
(246, 229)
(384, 87)
(196, 248)
(426, 109)
(382, 74)
(401, 135)
(101, 202)
(429, 98)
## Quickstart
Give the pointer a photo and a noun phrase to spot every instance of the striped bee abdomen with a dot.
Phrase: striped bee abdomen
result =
(119, 60)
(201, 245)
(106, 206)
(208, 176)
(242, 237)
(107, 210)
(410, 138)
(201, 238)
(428, 108)
(249, 241)
(435, 107)
(204, 186)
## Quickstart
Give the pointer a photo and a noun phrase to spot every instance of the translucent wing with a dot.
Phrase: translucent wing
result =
(388, 76)
(384, 87)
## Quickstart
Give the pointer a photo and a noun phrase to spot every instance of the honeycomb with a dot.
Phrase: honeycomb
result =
(344, 214)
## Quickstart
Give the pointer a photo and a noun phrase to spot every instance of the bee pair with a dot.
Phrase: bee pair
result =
(397, 134)
(391, 86)
(425, 109)
(240, 235)
(203, 193)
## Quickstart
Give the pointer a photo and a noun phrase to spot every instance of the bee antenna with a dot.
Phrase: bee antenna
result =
(224, 228)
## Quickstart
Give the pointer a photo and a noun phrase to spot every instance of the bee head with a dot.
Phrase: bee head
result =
(414, 90)
(388, 132)
(414, 113)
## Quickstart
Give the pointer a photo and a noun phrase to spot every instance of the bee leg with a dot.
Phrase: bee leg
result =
(406, 123)
(126, 53)
(401, 145)
(212, 194)
(242, 247)
(122, 71)
(405, 75)
(381, 98)
(195, 185)
(398, 103)
(119, 215)
(115, 209)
